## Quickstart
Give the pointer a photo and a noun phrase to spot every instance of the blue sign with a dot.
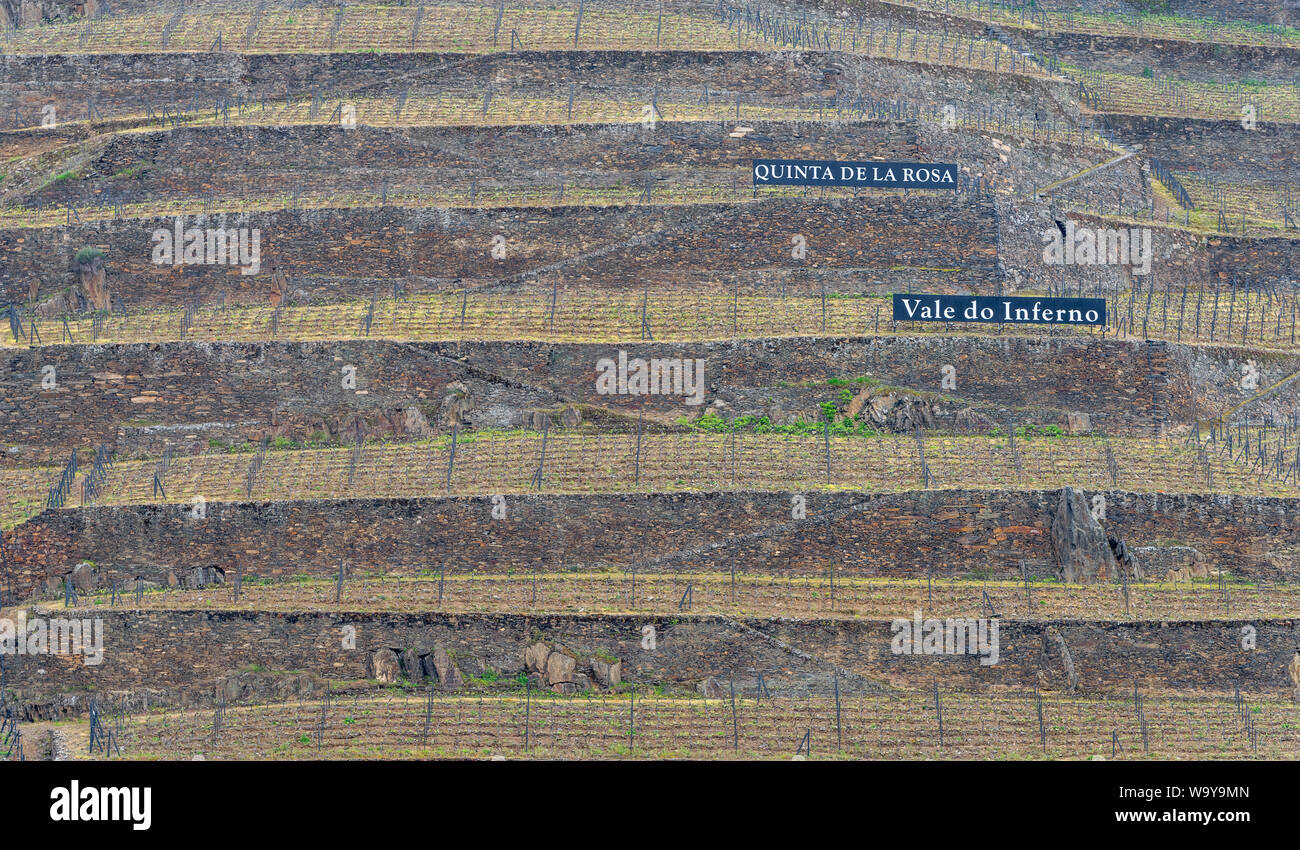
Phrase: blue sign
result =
(883, 175)
(999, 308)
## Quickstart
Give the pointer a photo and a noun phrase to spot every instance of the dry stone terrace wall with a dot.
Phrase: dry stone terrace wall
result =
(124, 84)
(246, 162)
(294, 389)
(940, 532)
(1109, 379)
(1205, 382)
(358, 252)
(190, 651)
(1166, 57)
(1218, 149)
(1021, 163)
(1179, 258)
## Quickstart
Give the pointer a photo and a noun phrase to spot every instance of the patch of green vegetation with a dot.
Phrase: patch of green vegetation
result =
(67, 175)
(131, 171)
(88, 255)
(489, 677)
(1028, 432)
(712, 423)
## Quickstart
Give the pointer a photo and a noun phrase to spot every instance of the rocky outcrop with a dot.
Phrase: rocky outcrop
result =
(559, 668)
(441, 665)
(711, 688)
(412, 663)
(382, 666)
(94, 281)
(456, 405)
(563, 672)
(608, 674)
(1082, 551)
(83, 577)
(1054, 646)
(1130, 565)
(892, 409)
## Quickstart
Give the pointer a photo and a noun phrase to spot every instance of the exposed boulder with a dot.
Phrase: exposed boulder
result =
(83, 577)
(1054, 644)
(1082, 551)
(559, 668)
(711, 688)
(608, 674)
(198, 577)
(1078, 424)
(858, 402)
(1127, 561)
(412, 665)
(383, 666)
(970, 419)
(279, 286)
(94, 278)
(456, 404)
(415, 423)
(60, 304)
(535, 657)
(899, 411)
(1293, 670)
(440, 664)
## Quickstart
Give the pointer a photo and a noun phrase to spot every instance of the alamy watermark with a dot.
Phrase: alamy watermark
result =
(656, 376)
(197, 246)
(953, 636)
(53, 636)
(1102, 246)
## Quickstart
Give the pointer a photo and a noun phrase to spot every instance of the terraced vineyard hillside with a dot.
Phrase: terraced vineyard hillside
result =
(439, 380)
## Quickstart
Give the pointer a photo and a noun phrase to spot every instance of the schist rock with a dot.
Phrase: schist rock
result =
(383, 666)
(1082, 551)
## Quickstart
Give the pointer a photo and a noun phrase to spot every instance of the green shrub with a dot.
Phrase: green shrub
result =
(88, 255)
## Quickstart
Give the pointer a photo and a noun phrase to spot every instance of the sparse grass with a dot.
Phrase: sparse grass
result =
(577, 462)
(700, 314)
(474, 30)
(899, 725)
(852, 597)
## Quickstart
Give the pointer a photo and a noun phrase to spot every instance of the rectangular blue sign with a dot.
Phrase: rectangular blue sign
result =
(999, 308)
(883, 175)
